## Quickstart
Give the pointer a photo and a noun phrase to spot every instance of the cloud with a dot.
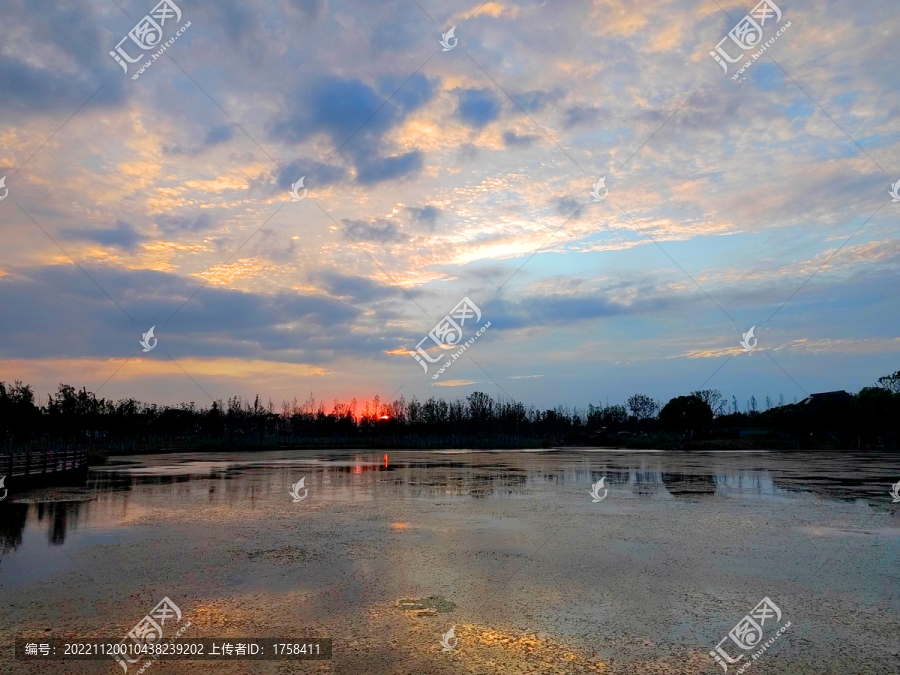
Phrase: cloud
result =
(213, 322)
(513, 140)
(477, 107)
(356, 118)
(88, 369)
(311, 8)
(336, 106)
(315, 174)
(566, 206)
(424, 216)
(534, 101)
(455, 383)
(359, 289)
(378, 169)
(395, 36)
(122, 235)
(54, 64)
(577, 115)
(171, 225)
(567, 300)
(468, 152)
(240, 22)
(219, 134)
(27, 87)
(384, 231)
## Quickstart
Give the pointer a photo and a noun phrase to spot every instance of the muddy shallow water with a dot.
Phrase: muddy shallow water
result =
(387, 551)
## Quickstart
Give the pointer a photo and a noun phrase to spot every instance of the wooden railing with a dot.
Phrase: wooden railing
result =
(40, 463)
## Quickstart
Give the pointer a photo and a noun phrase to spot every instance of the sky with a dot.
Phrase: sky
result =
(618, 208)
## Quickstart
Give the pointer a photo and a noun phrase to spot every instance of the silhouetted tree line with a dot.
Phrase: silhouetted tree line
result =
(703, 418)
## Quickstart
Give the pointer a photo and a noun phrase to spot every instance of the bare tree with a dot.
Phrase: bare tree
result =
(714, 399)
(890, 382)
(643, 407)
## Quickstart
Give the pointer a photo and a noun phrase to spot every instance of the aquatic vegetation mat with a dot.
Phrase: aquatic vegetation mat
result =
(427, 606)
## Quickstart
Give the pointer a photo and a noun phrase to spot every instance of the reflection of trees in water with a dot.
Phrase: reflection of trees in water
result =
(435, 481)
(478, 475)
(59, 514)
(642, 478)
(426, 479)
(644, 482)
(109, 481)
(478, 486)
(868, 484)
(757, 482)
(12, 525)
(683, 485)
(14, 516)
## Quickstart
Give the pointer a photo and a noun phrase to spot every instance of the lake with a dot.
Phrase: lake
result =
(791, 558)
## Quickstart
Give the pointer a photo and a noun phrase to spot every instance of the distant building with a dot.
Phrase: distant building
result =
(813, 401)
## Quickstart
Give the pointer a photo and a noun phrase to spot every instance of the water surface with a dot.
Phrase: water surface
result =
(534, 575)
